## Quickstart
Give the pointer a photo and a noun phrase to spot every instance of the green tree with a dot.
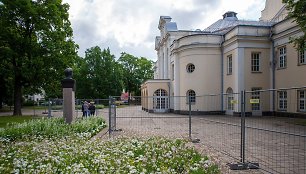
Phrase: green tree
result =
(136, 71)
(98, 75)
(36, 44)
(297, 11)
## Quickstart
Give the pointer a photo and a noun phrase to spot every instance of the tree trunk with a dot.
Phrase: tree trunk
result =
(1, 101)
(17, 96)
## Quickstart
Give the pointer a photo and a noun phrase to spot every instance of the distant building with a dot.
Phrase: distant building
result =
(229, 56)
(36, 97)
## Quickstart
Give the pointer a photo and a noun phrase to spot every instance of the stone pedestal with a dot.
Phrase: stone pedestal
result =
(68, 85)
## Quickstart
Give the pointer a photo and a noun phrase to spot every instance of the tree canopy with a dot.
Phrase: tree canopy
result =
(98, 75)
(136, 71)
(297, 11)
(35, 45)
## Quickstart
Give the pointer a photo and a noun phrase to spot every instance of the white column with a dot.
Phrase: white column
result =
(176, 83)
(239, 73)
(160, 64)
(165, 61)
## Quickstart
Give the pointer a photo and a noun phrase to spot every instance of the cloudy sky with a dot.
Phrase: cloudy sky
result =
(131, 25)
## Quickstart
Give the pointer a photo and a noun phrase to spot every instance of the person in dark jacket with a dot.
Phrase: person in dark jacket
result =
(92, 108)
(83, 113)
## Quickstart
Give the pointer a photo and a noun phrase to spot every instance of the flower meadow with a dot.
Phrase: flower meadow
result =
(78, 152)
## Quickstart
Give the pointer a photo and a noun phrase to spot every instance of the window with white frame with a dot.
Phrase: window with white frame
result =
(255, 62)
(191, 96)
(229, 64)
(282, 57)
(256, 95)
(302, 60)
(282, 100)
(302, 100)
(230, 99)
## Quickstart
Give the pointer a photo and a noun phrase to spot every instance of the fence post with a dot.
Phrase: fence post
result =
(49, 109)
(34, 109)
(242, 150)
(110, 115)
(189, 99)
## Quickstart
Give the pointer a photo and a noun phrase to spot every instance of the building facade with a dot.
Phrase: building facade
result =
(210, 67)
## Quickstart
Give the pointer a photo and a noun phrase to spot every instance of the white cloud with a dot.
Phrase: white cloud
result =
(131, 26)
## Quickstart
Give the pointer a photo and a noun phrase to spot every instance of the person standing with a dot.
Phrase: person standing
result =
(92, 109)
(86, 109)
(83, 113)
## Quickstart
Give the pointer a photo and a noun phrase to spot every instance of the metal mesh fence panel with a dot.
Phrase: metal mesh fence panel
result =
(149, 116)
(275, 130)
(55, 107)
(215, 129)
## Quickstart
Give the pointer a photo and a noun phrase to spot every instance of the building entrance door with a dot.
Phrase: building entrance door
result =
(160, 101)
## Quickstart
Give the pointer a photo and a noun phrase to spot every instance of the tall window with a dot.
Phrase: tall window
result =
(172, 71)
(160, 101)
(191, 96)
(302, 100)
(230, 99)
(282, 57)
(302, 57)
(255, 62)
(229, 64)
(256, 95)
(282, 100)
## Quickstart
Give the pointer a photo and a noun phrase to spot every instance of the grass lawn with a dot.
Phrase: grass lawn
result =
(4, 120)
(6, 109)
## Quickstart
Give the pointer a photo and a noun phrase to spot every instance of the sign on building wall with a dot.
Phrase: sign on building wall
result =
(254, 101)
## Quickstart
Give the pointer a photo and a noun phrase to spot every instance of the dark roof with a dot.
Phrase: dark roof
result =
(229, 21)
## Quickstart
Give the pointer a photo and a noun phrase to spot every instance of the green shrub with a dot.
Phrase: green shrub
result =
(28, 103)
(54, 127)
(123, 155)
(79, 107)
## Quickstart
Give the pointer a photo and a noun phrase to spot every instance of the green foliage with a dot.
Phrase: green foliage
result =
(125, 155)
(51, 128)
(35, 45)
(79, 107)
(4, 120)
(29, 103)
(297, 11)
(136, 71)
(98, 75)
(51, 146)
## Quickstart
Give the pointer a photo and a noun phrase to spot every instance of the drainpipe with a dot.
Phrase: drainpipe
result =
(222, 71)
(273, 66)
(169, 96)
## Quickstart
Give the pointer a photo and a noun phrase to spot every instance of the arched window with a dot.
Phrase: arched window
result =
(160, 100)
(191, 96)
(230, 99)
(160, 92)
(190, 68)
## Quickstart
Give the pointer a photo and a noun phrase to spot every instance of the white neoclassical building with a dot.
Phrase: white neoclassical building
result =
(231, 55)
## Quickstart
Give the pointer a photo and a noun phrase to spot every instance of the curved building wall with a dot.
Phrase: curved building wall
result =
(205, 79)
